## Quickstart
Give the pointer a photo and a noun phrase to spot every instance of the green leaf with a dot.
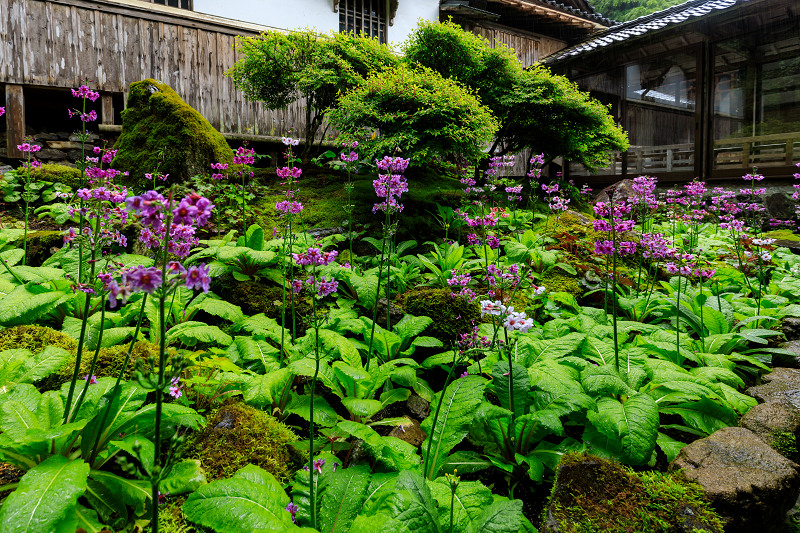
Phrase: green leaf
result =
(133, 492)
(324, 415)
(268, 389)
(458, 403)
(502, 516)
(603, 380)
(262, 355)
(630, 428)
(16, 420)
(362, 407)
(521, 385)
(391, 451)
(251, 499)
(191, 333)
(184, 476)
(669, 446)
(87, 520)
(704, 415)
(469, 501)
(28, 303)
(421, 515)
(217, 307)
(531, 350)
(46, 498)
(344, 493)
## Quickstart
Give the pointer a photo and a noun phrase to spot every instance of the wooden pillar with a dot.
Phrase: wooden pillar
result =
(106, 109)
(15, 119)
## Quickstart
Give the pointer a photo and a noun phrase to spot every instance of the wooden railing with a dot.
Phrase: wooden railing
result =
(763, 150)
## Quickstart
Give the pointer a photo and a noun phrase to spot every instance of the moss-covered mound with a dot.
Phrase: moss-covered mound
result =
(451, 316)
(35, 339)
(161, 131)
(237, 435)
(56, 173)
(109, 360)
(592, 495)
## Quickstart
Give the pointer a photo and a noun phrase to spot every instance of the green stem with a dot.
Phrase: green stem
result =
(78, 357)
(95, 447)
(436, 418)
(82, 395)
(312, 484)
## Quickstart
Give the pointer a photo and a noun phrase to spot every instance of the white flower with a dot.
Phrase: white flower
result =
(538, 289)
(762, 242)
(765, 256)
(489, 307)
(518, 321)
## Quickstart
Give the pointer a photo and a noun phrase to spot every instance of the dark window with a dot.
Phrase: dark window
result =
(363, 17)
(183, 4)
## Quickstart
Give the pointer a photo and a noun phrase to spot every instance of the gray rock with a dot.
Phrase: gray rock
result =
(394, 309)
(411, 433)
(622, 190)
(787, 360)
(749, 484)
(791, 329)
(780, 385)
(777, 424)
(50, 154)
(779, 206)
(793, 246)
(419, 406)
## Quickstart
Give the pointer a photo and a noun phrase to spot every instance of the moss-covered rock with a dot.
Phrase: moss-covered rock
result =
(451, 315)
(109, 360)
(237, 435)
(161, 131)
(592, 495)
(41, 245)
(35, 339)
(69, 176)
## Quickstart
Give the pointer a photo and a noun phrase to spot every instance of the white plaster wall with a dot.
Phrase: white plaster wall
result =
(319, 14)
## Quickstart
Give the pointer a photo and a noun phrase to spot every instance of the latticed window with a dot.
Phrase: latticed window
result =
(363, 17)
(183, 4)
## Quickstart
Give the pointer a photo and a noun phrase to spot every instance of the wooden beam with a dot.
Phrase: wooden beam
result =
(106, 109)
(15, 119)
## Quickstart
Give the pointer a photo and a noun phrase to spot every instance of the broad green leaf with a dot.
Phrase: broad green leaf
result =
(391, 451)
(259, 355)
(603, 380)
(324, 415)
(46, 498)
(191, 333)
(704, 415)
(502, 516)
(458, 403)
(502, 385)
(469, 502)
(530, 350)
(252, 499)
(669, 446)
(364, 408)
(16, 420)
(344, 493)
(87, 520)
(184, 476)
(629, 428)
(421, 515)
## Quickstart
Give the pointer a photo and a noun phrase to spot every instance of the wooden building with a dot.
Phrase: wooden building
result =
(534, 28)
(708, 88)
(50, 46)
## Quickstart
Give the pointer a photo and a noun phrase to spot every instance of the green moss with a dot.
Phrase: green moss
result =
(783, 234)
(785, 443)
(161, 131)
(451, 316)
(559, 281)
(40, 244)
(592, 495)
(35, 339)
(237, 435)
(69, 176)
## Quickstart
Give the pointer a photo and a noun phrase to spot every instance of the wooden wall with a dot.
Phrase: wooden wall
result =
(530, 47)
(61, 43)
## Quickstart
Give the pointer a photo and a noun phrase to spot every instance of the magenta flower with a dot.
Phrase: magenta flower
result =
(244, 156)
(197, 278)
(318, 464)
(2, 111)
(84, 92)
(92, 380)
(144, 279)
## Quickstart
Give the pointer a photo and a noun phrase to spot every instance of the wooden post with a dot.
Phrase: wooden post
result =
(107, 109)
(15, 119)
(789, 151)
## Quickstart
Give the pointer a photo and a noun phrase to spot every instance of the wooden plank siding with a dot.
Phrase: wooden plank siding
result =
(530, 47)
(112, 43)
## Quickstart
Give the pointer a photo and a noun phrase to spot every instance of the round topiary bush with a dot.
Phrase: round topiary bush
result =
(162, 132)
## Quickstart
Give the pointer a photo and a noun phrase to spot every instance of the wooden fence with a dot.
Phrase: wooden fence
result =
(60, 43)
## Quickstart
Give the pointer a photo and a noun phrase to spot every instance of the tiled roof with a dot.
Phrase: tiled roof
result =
(590, 15)
(644, 25)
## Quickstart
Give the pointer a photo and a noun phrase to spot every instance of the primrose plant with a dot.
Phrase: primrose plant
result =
(168, 230)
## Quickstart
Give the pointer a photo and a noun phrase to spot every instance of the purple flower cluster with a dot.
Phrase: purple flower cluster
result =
(322, 286)
(286, 207)
(315, 257)
(390, 185)
(351, 156)
(536, 161)
(244, 156)
(84, 92)
(219, 167)
(461, 282)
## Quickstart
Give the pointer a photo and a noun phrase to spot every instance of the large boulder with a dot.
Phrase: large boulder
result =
(162, 132)
(790, 326)
(780, 385)
(749, 484)
(777, 424)
(593, 494)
